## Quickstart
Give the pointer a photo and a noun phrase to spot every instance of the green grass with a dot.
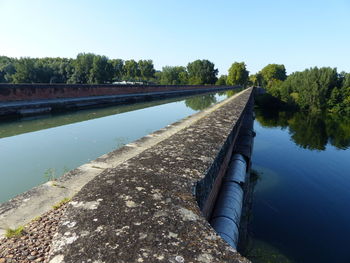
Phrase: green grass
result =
(36, 218)
(61, 203)
(17, 232)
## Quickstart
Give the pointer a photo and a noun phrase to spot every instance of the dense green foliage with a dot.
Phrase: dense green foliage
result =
(146, 69)
(255, 79)
(131, 70)
(174, 76)
(86, 68)
(238, 74)
(46, 70)
(222, 80)
(314, 89)
(272, 73)
(7, 69)
(89, 68)
(201, 72)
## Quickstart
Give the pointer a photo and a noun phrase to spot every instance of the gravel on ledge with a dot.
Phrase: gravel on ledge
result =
(35, 242)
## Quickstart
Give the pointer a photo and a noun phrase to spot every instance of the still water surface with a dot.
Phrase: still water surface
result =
(301, 201)
(35, 150)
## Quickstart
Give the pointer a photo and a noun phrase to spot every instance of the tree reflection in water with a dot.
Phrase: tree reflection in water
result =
(200, 102)
(309, 131)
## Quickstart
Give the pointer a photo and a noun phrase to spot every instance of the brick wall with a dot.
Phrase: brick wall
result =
(17, 92)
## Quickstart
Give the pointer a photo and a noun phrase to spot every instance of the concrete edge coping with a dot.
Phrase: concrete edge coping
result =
(23, 208)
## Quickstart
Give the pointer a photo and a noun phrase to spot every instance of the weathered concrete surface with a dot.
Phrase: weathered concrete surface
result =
(144, 210)
(23, 208)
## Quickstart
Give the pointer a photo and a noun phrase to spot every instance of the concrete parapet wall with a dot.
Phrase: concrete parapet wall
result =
(145, 208)
(19, 92)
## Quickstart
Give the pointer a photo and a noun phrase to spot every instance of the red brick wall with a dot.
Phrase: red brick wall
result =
(15, 92)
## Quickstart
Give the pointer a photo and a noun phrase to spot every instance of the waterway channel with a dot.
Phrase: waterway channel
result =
(300, 210)
(39, 149)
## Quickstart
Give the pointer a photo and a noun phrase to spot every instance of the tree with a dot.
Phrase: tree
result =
(273, 72)
(131, 70)
(118, 69)
(339, 100)
(101, 70)
(146, 69)
(201, 72)
(25, 71)
(7, 69)
(174, 76)
(222, 80)
(255, 79)
(237, 74)
(82, 67)
(345, 80)
(313, 89)
(157, 77)
(65, 70)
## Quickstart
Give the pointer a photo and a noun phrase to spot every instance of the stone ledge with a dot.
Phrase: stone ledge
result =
(144, 209)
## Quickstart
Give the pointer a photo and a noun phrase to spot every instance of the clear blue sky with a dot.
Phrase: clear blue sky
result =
(296, 33)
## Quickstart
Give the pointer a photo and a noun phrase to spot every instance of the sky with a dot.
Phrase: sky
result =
(297, 33)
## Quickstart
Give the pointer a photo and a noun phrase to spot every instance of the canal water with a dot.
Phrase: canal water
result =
(301, 198)
(33, 151)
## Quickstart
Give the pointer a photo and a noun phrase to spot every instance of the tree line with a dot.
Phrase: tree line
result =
(314, 89)
(84, 69)
(89, 68)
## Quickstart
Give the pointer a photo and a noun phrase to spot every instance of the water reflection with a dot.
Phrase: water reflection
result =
(309, 131)
(204, 101)
(16, 127)
(200, 102)
(25, 125)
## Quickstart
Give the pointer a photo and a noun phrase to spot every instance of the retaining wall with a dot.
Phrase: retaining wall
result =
(18, 100)
(19, 92)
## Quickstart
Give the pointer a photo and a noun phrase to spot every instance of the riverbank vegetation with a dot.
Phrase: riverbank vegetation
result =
(313, 90)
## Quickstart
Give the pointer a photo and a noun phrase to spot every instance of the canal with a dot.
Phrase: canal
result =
(36, 150)
(301, 198)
